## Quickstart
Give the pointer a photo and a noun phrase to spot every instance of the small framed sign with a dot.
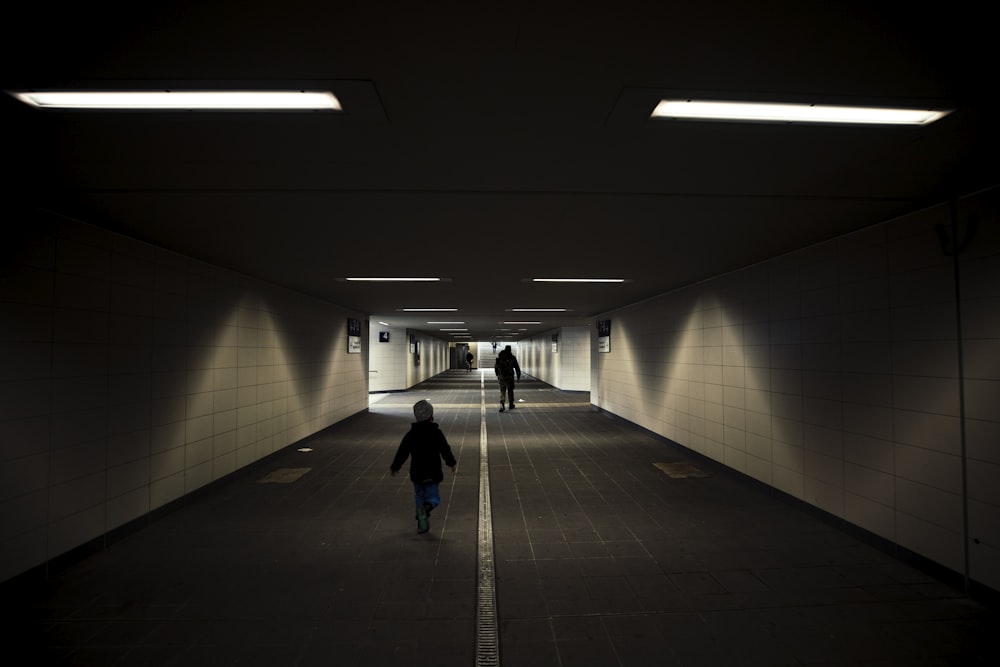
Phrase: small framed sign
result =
(603, 335)
(353, 336)
(383, 336)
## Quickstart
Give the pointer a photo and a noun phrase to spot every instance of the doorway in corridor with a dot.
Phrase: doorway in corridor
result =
(458, 352)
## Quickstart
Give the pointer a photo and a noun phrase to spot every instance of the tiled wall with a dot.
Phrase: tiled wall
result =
(388, 361)
(568, 368)
(434, 358)
(394, 368)
(130, 376)
(574, 354)
(833, 375)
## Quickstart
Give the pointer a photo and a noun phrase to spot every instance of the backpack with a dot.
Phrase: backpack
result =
(505, 364)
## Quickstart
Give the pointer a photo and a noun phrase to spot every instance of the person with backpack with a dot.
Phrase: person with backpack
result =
(507, 369)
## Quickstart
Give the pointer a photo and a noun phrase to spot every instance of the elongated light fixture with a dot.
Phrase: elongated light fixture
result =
(184, 100)
(793, 113)
(394, 280)
(578, 280)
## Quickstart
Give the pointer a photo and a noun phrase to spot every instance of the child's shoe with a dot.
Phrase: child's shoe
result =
(501, 406)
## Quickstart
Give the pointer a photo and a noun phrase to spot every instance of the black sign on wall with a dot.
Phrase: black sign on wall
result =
(603, 335)
(353, 336)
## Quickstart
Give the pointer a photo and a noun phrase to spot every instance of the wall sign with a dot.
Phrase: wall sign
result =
(603, 335)
(353, 336)
(383, 336)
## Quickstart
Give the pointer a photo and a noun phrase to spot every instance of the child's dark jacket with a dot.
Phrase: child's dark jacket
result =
(425, 445)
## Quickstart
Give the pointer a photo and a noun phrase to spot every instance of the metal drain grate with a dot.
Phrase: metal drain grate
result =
(487, 644)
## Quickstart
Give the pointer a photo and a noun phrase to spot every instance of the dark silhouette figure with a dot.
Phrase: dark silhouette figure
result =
(508, 372)
(425, 445)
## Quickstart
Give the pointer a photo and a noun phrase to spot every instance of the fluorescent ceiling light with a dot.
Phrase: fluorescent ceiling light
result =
(183, 100)
(538, 310)
(793, 113)
(428, 310)
(578, 280)
(385, 324)
(395, 280)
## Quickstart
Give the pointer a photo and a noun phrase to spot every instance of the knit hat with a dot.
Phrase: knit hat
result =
(423, 410)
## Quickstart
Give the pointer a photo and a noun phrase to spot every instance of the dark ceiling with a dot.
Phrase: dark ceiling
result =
(491, 143)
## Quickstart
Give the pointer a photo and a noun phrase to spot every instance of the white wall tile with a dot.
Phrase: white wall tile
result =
(127, 507)
(67, 532)
(982, 399)
(127, 447)
(127, 478)
(931, 504)
(867, 389)
(982, 437)
(166, 489)
(854, 404)
(940, 544)
(826, 496)
(930, 431)
(874, 485)
(870, 452)
(981, 315)
(789, 481)
(141, 392)
(984, 486)
(871, 515)
(933, 468)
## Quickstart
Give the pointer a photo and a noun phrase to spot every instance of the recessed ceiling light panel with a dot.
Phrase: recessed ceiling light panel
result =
(184, 100)
(394, 280)
(578, 280)
(793, 113)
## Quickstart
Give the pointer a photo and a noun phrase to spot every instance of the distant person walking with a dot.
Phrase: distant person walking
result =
(507, 369)
(425, 445)
(468, 361)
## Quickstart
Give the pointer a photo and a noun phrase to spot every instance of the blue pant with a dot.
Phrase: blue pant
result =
(426, 492)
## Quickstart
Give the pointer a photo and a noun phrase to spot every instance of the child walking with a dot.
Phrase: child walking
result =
(425, 445)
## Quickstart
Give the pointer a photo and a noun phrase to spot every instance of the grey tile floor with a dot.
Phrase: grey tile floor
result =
(601, 558)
